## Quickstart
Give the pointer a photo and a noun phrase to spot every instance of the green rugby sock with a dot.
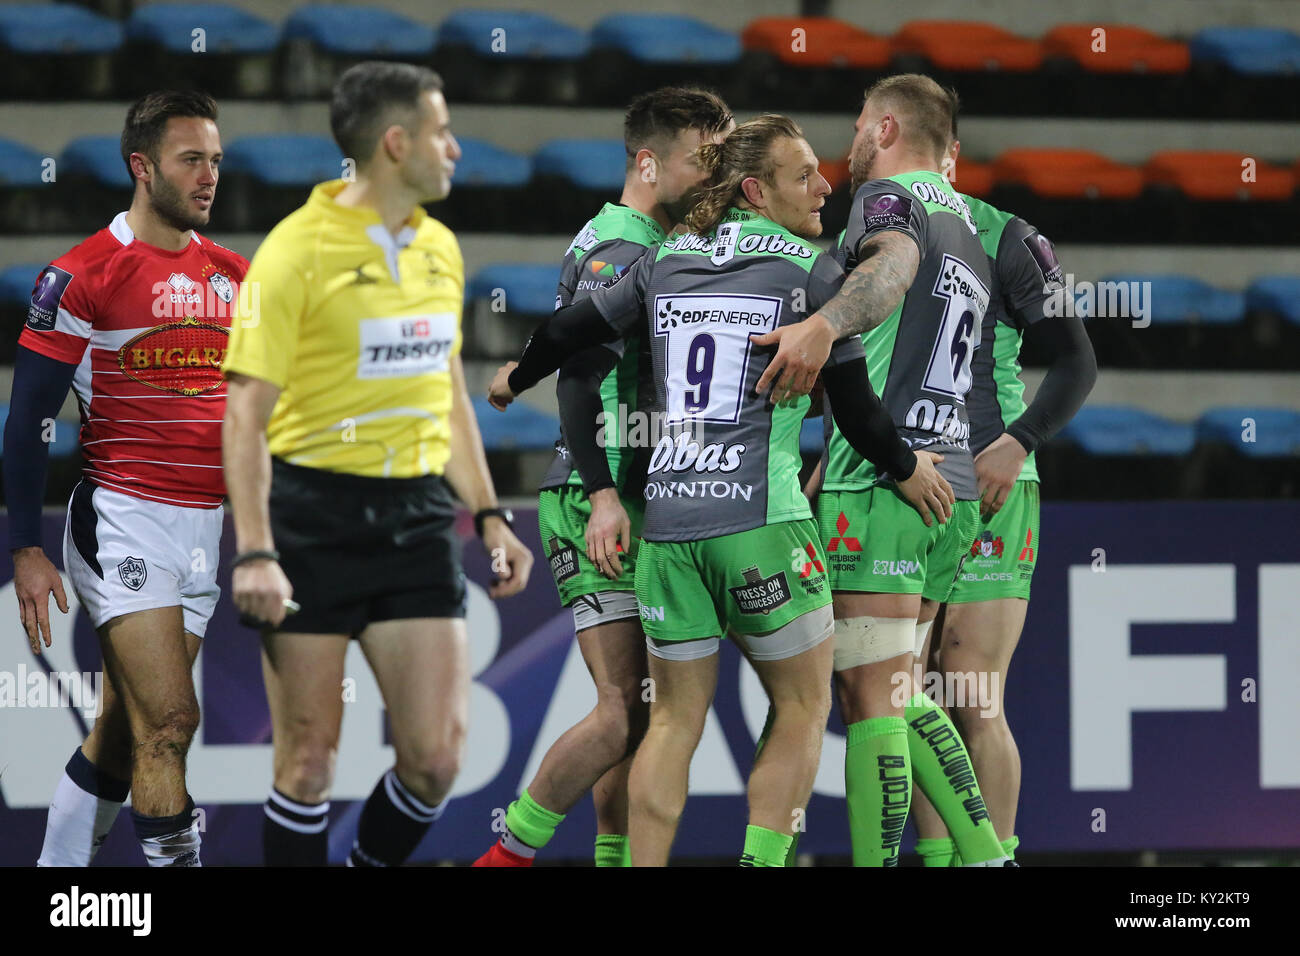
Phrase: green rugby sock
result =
(943, 770)
(764, 847)
(612, 850)
(531, 822)
(1009, 845)
(758, 749)
(878, 786)
(935, 851)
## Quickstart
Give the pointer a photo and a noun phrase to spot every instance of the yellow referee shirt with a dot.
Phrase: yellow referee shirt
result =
(358, 329)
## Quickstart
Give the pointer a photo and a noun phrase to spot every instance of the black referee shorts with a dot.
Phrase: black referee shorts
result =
(359, 550)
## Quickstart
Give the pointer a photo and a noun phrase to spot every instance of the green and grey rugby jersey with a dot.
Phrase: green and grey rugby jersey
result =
(606, 247)
(1025, 276)
(919, 358)
(724, 459)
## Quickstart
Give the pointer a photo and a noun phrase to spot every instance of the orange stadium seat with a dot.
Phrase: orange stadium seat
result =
(826, 42)
(1213, 175)
(1068, 174)
(960, 45)
(836, 172)
(974, 179)
(1127, 49)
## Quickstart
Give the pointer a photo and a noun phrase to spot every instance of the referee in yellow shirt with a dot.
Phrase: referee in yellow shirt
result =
(347, 411)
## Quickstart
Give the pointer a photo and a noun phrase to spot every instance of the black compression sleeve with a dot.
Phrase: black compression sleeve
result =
(1068, 381)
(865, 421)
(579, 394)
(40, 385)
(565, 332)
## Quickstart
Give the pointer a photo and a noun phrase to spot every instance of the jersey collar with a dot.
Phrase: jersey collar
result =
(368, 220)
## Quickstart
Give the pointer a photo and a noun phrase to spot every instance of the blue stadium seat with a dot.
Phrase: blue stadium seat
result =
(287, 160)
(520, 428)
(1259, 51)
(1279, 294)
(19, 164)
(660, 38)
(484, 164)
(99, 157)
(529, 288)
(1176, 299)
(812, 437)
(1124, 430)
(360, 31)
(65, 435)
(227, 29)
(598, 164)
(527, 35)
(56, 28)
(17, 282)
(1256, 432)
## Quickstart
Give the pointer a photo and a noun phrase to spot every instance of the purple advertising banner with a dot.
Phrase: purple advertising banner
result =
(1153, 697)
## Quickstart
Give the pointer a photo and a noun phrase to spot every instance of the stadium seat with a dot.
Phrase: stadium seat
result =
(812, 436)
(826, 42)
(484, 164)
(227, 29)
(521, 428)
(285, 160)
(1068, 174)
(529, 289)
(1279, 294)
(836, 172)
(19, 164)
(595, 164)
(17, 283)
(665, 39)
(1256, 51)
(1254, 432)
(1127, 49)
(1206, 175)
(963, 46)
(1125, 430)
(98, 158)
(1177, 299)
(41, 29)
(973, 178)
(346, 30)
(525, 35)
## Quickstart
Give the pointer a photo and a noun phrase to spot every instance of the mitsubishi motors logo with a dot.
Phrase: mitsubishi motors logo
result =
(812, 562)
(850, 544)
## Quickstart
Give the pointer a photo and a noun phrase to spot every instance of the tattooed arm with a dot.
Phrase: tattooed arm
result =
(872, 291)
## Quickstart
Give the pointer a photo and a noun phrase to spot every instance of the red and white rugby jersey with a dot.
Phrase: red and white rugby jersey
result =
(147, 329)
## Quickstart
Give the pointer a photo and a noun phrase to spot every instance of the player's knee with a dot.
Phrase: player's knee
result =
(307, 773)
(431, 768)
(167, 735)
(622, 716)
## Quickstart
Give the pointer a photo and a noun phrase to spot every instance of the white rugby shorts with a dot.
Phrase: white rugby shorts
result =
(126, 554)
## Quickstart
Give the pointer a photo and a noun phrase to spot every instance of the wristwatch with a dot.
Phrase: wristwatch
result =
(505, 514)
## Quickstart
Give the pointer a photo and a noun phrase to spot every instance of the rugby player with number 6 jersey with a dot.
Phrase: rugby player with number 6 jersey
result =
(729, 546)
(980, 625)
(135, 320)
(917, 290)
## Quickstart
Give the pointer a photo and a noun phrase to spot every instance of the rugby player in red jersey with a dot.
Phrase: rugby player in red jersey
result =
(135, 321)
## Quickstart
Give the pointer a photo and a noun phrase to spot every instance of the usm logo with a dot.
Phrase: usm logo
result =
(415, 329)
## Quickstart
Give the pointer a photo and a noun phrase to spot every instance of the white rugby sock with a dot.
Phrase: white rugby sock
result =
(169, 841)
(86, 802)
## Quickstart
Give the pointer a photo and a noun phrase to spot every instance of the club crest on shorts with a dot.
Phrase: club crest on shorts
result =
(759, 595)
(133, 573)
(222, 287)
